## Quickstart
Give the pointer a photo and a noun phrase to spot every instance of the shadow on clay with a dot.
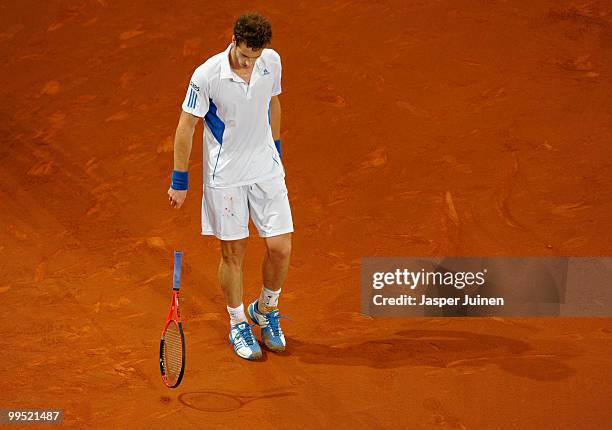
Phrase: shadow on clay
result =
(214, 401)
(438, 348)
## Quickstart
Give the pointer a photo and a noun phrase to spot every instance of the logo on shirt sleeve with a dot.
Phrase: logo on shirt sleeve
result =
(192, 101)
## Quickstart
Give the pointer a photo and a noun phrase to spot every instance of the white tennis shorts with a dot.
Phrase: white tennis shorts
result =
(225, 211)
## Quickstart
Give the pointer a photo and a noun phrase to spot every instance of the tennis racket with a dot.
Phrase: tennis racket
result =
(172, 345)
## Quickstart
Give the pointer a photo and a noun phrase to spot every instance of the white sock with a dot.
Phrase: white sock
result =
(269, 298)
(236, 314)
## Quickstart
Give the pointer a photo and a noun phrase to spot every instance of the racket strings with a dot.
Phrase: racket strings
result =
(173, 350)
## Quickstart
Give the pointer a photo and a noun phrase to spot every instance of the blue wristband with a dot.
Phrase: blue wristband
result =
(278, 147)
(180, 180)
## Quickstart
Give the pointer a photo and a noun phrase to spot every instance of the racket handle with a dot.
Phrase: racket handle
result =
(178, 261)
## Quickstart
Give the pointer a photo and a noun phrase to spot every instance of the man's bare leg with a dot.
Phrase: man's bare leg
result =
(230, 273)
(274, 270)
(230, 276)
(264, 310)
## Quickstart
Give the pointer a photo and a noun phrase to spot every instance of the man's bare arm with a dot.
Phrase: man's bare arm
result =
(183, 140)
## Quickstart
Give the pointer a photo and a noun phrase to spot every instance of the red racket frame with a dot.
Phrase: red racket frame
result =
(174, 317)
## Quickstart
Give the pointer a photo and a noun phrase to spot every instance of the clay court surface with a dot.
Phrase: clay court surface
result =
(410, 128)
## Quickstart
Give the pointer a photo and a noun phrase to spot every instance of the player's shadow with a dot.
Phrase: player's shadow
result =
(439, 349)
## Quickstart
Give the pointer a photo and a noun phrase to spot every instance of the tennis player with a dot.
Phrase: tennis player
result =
(236, 92)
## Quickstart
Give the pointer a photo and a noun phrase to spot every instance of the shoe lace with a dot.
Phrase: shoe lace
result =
(274, 323)
(246, 334)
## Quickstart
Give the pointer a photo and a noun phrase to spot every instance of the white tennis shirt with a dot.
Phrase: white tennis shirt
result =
(238, 144)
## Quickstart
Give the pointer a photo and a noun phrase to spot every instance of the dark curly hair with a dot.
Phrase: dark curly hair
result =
(253, 29)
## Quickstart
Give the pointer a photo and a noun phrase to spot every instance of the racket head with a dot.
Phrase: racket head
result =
(172, 354)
